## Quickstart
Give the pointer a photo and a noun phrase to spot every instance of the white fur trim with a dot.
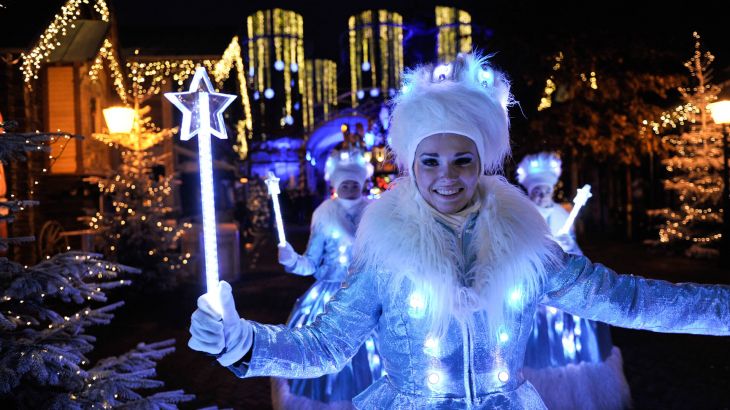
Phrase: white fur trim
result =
(589, 386)
(330, 215)
(399, 236)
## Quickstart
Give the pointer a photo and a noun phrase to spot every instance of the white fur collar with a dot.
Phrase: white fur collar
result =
(332, 215)
(399, 236)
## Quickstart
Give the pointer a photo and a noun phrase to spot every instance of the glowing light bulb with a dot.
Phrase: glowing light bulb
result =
(269, 93)
(442, 72)
(366, 66)
(417, 301)
(279, 65)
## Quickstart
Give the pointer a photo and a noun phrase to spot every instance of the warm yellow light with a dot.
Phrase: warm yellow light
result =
(720, 111)
(119, 120)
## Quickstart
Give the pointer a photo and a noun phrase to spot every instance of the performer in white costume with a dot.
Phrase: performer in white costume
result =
(327, 257)
(450, 266)
(570, 360)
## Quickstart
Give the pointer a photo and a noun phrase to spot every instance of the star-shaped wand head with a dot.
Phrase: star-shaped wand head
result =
(188, 102)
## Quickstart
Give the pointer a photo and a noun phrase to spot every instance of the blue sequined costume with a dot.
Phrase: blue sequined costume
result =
(468, 366)
(570, 360)
(327, 257)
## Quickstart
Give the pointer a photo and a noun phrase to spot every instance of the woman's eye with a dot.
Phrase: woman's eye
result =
(463, 161)
(430, 162)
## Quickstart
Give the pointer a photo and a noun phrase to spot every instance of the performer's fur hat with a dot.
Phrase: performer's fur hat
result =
(347, 165)
(465, 97)
(543, 168)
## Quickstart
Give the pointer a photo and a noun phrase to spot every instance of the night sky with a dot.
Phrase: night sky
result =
(184, 27)
(523, 35)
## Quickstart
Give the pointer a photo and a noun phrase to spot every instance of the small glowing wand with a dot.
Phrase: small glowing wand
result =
(272, 183)
(202, 110)
(580, 199)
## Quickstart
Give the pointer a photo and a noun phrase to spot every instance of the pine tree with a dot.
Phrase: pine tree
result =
(138, 228)
(694, 164)
(45, 311)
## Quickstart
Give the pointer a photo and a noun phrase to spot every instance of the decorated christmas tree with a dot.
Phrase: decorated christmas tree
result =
(138, 224)
(45, 311)
(694, 164)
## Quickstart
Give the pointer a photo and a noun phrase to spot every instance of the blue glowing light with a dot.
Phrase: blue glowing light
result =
(294, 67)
(360, 94)
(366, 66)
(369, 139)
(486, 77)
(515, 298)
(278, 65)
(374, 92)
(417, 305)
(269, 93)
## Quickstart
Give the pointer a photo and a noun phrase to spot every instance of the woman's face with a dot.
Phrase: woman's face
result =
(349, 190)
(542, 195)
(446, 168)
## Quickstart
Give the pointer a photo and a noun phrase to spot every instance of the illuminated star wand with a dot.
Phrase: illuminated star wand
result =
(580, 199)
(272, 183)
(202, 110)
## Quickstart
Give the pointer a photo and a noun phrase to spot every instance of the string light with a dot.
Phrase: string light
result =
(276, 48)
(53, 35)
(107, 53)
(546, 101)
(375, 43)
(148, 75)
(221, 71)
(454, 32)
(696, 160)
(320, 90)
(125, 210)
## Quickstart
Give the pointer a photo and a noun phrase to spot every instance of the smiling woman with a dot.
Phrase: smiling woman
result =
(450, 266)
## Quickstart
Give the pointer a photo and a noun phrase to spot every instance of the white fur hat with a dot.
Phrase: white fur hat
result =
(539, 169)
(465, 97)
(346, 165)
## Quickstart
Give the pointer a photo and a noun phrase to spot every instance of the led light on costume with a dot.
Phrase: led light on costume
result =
(202, 110)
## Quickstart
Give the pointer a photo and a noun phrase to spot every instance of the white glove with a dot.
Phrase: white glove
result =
(288, 256)
(228, 336)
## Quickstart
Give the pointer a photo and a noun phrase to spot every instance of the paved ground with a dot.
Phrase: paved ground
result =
(664, 371)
